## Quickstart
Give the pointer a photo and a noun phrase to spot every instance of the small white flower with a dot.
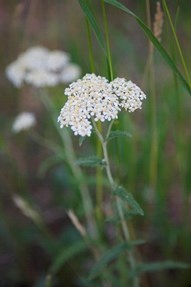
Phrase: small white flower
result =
(23, 121)
(34, 58)
(57, 60)
(70, 73)
(129, 94)
(41, 78)
(15, 72)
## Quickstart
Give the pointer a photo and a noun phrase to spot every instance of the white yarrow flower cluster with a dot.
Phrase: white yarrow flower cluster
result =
(93, 97)
(23, 121)
(40, 67)
(129, 94)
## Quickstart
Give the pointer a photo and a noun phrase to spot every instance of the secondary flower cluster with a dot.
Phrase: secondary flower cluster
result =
(40, 67)
(94, 97)
(23, 121)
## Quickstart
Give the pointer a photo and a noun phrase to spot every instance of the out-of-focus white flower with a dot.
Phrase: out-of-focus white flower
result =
(41, 78)
(15, 72)
(34, 58)
(40, 67)
(93, 97)
(90, 97)
(57, 60)
(129, 94)
(70, 73)
(23, 121)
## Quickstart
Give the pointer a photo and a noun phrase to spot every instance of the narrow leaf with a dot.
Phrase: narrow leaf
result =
(111, 255)
(116, 134)
(66, 255)
(93, 23)
(81, 140)
(90, 161)
(128, 197)
(155, 42)
(128, 215)
(158, 266)
(106, 259)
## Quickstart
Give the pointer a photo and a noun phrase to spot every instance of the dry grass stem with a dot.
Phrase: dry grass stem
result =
(77, 223)
(158, 22)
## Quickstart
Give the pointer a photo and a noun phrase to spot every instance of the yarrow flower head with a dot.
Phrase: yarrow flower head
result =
(23, 121)
(94, 98)
(130, 95)
(40, 67)
(89, 97)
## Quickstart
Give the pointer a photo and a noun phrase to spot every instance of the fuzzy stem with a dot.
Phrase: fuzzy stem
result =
(124, 225)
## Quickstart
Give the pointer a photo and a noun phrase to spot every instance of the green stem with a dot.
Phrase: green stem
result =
(124, 225)
(153, 109)
(99, 177)
(76, 170)
(177, 42)
(90, 47)
(106, 30)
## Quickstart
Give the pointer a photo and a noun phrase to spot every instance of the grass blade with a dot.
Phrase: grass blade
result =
(155, 42)
(159, 266)
(106, 259)
(93, 23)
(66, 255)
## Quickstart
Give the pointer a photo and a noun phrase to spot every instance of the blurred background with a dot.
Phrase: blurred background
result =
(159, 180)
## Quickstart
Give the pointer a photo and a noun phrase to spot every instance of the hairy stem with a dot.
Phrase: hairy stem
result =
(123, 222)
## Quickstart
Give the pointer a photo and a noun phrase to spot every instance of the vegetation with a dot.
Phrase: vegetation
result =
(113, 208)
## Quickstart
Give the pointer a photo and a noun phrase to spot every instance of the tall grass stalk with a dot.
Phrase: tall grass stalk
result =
(76, 170)
(165, 6)
(180, 145)
(153, 108)
(106, 31)
(99, 175)
(90, 47)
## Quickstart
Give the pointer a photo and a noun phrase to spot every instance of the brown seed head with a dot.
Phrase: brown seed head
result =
(158, 22)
